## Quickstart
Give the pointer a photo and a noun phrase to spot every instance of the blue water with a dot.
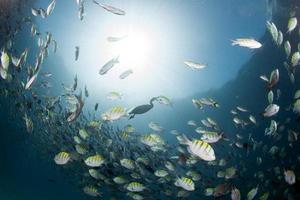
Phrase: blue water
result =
(173, 32)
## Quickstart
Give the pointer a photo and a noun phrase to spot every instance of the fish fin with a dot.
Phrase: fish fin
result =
(184, 140)
(131, 116)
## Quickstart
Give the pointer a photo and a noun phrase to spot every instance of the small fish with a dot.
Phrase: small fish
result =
(289, 177)
(274, 78)
(31, 81)
(46, 74)
(247, 42)
(192, 123)
(54, 45)
(86, 92)
(296, 108)
(270, 97)
(5, 60)
(208, 191)
(279, 38)
(264, 78)
(222, 162)
(111, 9)
(230, 172)
(81, 13)
(125, 74)
(199, 103)
(252, 193)
(107, 66)
(115, 39)
(79, 105)
(271, 110)
(278, 93)
(81, 149)
(62, 158)
(151, 140)
(273, 30)
(221, 190)
(94, 161)
(235, 194)
(265, 196)
(95, 174)
(91, 191)
(287, 48)
(115, 113)
(127, 163)
(164, 100)
(35, 12)
(76, 53)
(252, 119)
(221, 174)
(135, 196)
(135, 187)
(114, 96)
(194, 65)
(50, 8)
(119, 180)
(292, 23)
(295, 60)
(210, 136)
(241, 109)
(83, 134)
(96, 106)
(185, 183)
(271, 130)
(199, 148)
(155, 127)
(161, 173)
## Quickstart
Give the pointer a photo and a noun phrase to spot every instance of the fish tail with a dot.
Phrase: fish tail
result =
(234, 42)
(117, 59)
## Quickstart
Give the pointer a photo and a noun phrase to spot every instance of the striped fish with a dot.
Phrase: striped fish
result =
(94, 161)
(91, 190)
(135, 187)
(210, 136)
(199, 148)
(114, 113)
(127, 163)
(185, 183)
(62, 158)
(149, 140)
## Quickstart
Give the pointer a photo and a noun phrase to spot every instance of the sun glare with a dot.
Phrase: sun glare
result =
(134, 50)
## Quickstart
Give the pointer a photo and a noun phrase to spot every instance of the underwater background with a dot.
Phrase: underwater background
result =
(176, 31)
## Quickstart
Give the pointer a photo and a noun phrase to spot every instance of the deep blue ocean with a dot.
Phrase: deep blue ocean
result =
(53, 91)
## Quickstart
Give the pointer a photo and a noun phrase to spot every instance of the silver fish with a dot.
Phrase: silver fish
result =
(108, 65)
